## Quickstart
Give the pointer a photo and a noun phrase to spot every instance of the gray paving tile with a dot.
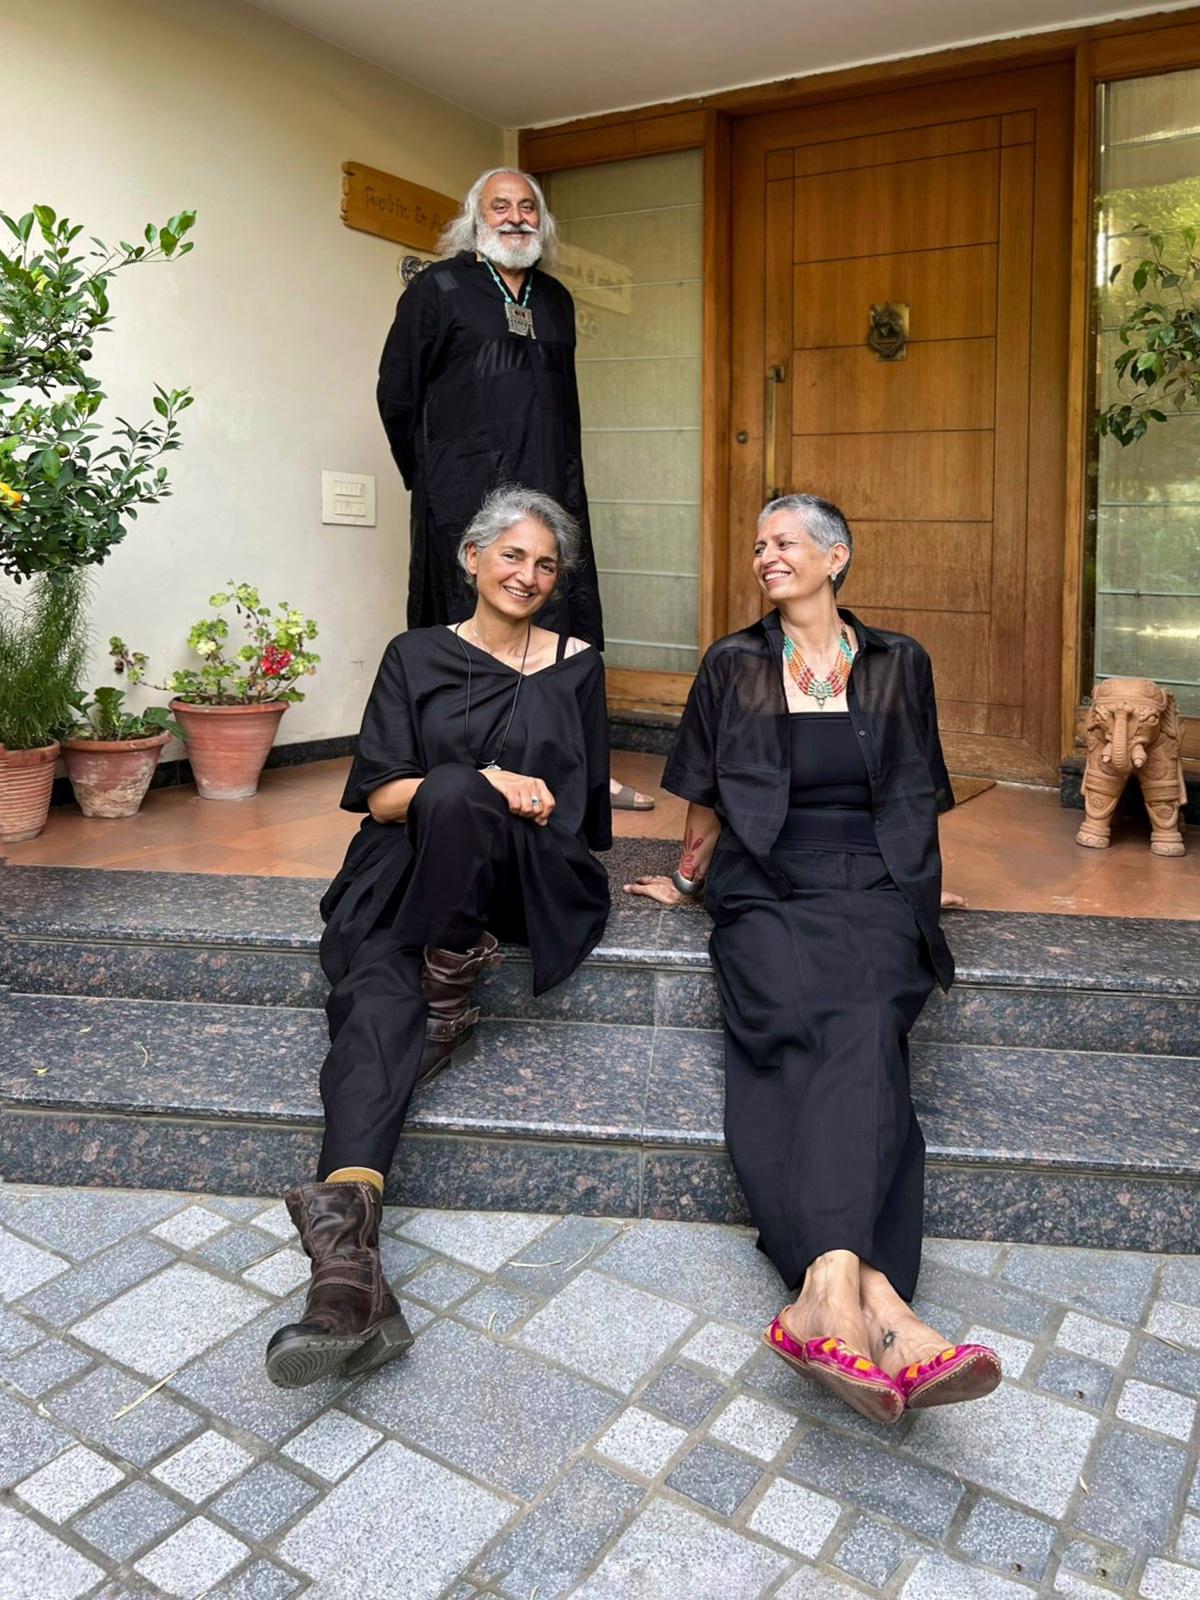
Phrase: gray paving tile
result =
(1163, 1363)
(497, 1309)
(280, 1273)
(877, 1480)
(1161, 1410)
(1187, 1542)
(129, 1521)
(241, 1208)
(44, 1368)
(162, 1324)
(984, 1300)
(717, 1268)
(1181, 1281)
(1176, 1322)
(549, 1550)
(91, 1408)
(190, 1227)
(1014, 1353)
(81, 1290)
(798, 1518)
(399, 1524)
(1132, 1487)
(1107, 1562)
(1166, 1580)
(202, 1466)
(16, 1333)
(1111, 1283)
(79, 1223)
(755, 1426)
(237, 1248)
(400, 1258)
(259, 1504)
(722, 1349)
(68, 1483)
(441, 1284)
(492, 1410)
(36, 1563)
(606, 1330)
(548, 1261)
(27, 1441)
(715, 1478)
(937, 1577)
(1099, 1341)
(24, 1266)
(666, 1541)
(1075, 1378)
(682, 1395)
(768, 1375)
(809, 1584)
(191, 1561)
(640, 1442)
(261, 1580)
(872, 1551)
(484, 1240)
(332, 1444)
(987, 1443)
(996, 1535)
(969, 1255)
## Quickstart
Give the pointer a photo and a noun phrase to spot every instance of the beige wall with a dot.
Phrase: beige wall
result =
(145, 107)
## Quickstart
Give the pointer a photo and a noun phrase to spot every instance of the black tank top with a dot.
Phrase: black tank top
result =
(830, 800)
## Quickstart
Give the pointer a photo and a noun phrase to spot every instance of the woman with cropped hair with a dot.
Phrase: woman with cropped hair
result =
(810, 758)
(483, 765)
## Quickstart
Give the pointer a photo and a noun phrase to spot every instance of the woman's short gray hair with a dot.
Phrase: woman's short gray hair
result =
(823, 522)
(512, 503)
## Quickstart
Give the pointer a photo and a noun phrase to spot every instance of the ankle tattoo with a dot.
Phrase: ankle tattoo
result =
(889, 1338)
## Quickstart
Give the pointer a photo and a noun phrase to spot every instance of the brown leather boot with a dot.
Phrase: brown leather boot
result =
(447, 978)
(351, 1315)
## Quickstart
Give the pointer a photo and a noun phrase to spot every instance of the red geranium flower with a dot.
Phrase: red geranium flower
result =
(275, 661)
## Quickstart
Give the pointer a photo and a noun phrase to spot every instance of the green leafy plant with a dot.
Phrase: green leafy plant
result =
(1160, 362)
(42, 649)
(266, 667)
(102, 717)
(67, 496)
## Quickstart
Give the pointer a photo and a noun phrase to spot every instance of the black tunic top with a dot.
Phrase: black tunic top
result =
(416, 720)
(829, 801)
(733, 754)
(468, 405)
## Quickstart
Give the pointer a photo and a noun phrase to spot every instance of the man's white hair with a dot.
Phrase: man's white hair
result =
(463, 232)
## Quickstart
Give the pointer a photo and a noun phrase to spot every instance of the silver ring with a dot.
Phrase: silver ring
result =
(535, 800)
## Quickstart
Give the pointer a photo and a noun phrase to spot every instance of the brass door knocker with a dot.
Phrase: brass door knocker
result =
(887, 330)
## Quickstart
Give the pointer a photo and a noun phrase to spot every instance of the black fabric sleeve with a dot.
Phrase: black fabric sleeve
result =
(931, 742)
(593, 710)
(408, 357)
(387, 743)
(691, 770)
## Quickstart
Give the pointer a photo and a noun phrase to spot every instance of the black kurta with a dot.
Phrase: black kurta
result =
(467, 405)
(414, 722)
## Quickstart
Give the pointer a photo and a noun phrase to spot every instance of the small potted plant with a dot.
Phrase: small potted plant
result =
(111, 754)
(229, 709)
(42, 648)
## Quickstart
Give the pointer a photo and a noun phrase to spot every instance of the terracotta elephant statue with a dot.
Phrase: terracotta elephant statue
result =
(1133, 727)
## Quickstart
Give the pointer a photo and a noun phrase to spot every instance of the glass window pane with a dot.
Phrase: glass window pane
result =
(631, 256)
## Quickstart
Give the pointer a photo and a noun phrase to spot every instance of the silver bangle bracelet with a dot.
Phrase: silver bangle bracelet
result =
(688, 886)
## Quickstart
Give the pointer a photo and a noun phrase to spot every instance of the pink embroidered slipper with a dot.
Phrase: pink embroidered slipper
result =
(960, 1372)
(832, 1364)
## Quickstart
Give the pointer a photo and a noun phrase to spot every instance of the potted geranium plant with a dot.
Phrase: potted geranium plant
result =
(110, 754)
(42, 648)
(230, 707)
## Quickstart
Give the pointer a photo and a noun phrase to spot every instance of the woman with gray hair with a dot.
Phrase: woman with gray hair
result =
(483, 767)
(810, 758)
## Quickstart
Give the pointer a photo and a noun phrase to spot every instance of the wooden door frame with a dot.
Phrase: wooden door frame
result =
(1130, 47)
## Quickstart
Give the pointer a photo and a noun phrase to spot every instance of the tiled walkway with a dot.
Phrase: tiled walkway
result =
(587, 1411)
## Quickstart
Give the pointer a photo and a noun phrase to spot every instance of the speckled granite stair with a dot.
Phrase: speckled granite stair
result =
(164, 1028)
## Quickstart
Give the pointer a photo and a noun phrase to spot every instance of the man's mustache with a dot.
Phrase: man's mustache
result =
(516, 227)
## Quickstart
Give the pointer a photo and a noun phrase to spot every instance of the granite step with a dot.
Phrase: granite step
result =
(619, 1118)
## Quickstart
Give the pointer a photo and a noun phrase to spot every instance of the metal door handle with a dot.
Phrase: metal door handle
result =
(775, 376)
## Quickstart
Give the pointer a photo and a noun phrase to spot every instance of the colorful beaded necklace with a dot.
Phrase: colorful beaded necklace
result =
(820, 689)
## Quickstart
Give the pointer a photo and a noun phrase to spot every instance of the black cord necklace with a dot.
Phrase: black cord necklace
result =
(494, 763)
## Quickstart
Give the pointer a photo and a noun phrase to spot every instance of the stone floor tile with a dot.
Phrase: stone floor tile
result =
(1099, 1341)
(400, 1258)
(724, 1350)
(37, 1566)
(1180, 1280)
(1168, 1365)
(984, 1299)
(768, 1375)
(996, 1535)
(809, 1584)
(1132, 1485)
(487, 1408)
(1112, 1283)
(162, 1324)
(1075, 1378)
(193, 1560)
(795, 1517)
(259, 1504)
(666, 1541)
(241, 1208)
(16, 1333)
(761, 1430)
(236, 1249)
(1187, 1542)
(1178, 1322)
(872, 1551)
(1072, 1587)
(75, 1293)
(701, 1264)
(968, 1255)
(39, 1370)
(394, 1217)
(496, 1309)
(24, 1266)
(79, 1223)
(640, 1442)
(949, 1324)
(276, 1221)
(877, 1480)
(92, 1408)
(545, 1264)
(27, 1441)
(441, 1284)
(127, 1522)
(68, 1483)
(715, 1478)
(190, 1227)
(484, 1240)
(1166, 1580)
(203, 1466)
(261, 1580)
(279, 1274)
(606, 1330)
(399, 1524)
(988, 1443)
(418, 1316)
(1194, 1492)
(682, 1395)
(332, 1444)
(937, 1577)
(1014, 1353)
(1090, 1559)
(1161, 1410)
(549, 1550)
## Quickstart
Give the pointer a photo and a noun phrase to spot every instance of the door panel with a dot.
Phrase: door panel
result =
(898, 477)
(941, 384)
(954, 289)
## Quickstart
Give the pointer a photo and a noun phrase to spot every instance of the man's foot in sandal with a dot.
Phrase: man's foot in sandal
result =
(624, 797)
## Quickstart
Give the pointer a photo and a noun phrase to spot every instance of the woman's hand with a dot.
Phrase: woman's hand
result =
(655, 888)
(952, 902)
(526, 796)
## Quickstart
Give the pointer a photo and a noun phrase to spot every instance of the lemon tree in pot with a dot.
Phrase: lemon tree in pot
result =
(110, 754)
(42, 646)
(230, 706)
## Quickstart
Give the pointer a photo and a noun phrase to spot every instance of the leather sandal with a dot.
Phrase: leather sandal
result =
(851, 1377)
(960, 1372)
(626, 799)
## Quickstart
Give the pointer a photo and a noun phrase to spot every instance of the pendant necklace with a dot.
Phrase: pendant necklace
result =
(517, 312)
(494, 764)
(828, 687)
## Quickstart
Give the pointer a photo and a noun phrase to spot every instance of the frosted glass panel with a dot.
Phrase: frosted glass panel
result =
(1147, 495)
(632, 258)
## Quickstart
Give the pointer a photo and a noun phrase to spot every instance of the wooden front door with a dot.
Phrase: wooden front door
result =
(952, 201)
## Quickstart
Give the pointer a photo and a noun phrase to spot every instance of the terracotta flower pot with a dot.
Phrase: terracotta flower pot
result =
(227, 745)
(110, 776)
(26, 779)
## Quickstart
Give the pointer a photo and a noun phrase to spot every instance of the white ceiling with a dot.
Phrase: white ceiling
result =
(523, 62)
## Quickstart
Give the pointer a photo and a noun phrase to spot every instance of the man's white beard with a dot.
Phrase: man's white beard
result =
(515, 251)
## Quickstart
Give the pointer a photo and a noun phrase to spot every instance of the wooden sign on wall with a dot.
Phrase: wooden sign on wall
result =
(392, 208)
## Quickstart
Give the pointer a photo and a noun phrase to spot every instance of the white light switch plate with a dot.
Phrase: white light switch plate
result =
(348, 498)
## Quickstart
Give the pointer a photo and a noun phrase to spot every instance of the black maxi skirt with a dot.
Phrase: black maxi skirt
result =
(818, 994)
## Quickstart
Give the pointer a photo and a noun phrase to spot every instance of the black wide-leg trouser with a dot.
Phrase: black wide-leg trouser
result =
(460, 830)
(819, 993)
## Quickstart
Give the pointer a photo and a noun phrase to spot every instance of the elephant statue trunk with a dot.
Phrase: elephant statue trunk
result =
(1132, 728)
